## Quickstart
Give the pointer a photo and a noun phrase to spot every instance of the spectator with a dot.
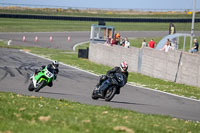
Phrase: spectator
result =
(122, 42)
(172, 29)
(174, 44)
(117, 35)
(195, 48)
(113, 41)
(167, 46)
(108, 40)
(152, 43)
(144, 43)
(117, 38)
(126, 43)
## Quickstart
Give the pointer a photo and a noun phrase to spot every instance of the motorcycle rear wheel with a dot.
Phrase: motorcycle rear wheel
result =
(110, 93)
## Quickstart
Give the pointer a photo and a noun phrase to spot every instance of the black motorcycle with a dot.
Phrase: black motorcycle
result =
(109, 87)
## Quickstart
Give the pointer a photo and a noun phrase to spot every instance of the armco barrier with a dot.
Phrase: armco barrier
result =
(172, 66)
(72, 18)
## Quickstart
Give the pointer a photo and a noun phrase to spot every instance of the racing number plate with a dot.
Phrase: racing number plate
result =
(48, 74)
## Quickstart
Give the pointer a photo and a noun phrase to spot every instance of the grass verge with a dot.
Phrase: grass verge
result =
(134, 78)
(22, 114)
(38, 25)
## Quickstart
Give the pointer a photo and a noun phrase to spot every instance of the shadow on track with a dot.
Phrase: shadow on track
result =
(54, 93)
(130, 103)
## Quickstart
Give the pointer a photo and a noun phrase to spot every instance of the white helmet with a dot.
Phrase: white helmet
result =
(55, 64)
(124, 66)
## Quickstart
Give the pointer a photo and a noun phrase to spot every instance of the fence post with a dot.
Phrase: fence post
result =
(184, 43)
(140, 53)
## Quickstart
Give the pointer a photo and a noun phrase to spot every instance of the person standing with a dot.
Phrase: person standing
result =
(117, 37)
(172, 29)
(152, 44)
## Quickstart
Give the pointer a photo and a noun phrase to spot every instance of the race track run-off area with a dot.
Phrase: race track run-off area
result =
(76, 85)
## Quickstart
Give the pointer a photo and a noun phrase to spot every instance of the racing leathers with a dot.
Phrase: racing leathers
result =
(51, 69)
(112, 72)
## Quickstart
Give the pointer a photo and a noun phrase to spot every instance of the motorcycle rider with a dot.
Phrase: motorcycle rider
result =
(122, 70)
(53, 68)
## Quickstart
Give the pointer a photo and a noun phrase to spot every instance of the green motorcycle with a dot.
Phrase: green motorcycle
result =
(41, 79)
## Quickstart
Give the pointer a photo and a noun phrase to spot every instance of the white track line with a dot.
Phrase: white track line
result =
(9, 42)
(74, 47)
(61, 63)
(165, 93)
(127, 83)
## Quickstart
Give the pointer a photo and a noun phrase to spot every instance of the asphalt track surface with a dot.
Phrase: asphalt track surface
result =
(75, 85)
(59, 40)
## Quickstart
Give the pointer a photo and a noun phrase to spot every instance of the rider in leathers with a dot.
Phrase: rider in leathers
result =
(53, 68)
(122, 70)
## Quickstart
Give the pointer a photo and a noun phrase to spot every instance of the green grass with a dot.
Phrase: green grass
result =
(82, 46)
(30, 114)
(187, 43)
(36, 25)
(137, 42)
(134, 78)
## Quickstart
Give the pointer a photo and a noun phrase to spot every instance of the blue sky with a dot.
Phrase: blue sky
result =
(116, 4)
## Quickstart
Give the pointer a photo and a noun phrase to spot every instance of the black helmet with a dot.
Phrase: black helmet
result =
(124, 66)
(55, 64)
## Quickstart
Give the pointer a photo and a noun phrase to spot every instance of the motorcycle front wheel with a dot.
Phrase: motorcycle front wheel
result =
(31, 86)
(40, 86)
(94, 96)
(110, 93)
